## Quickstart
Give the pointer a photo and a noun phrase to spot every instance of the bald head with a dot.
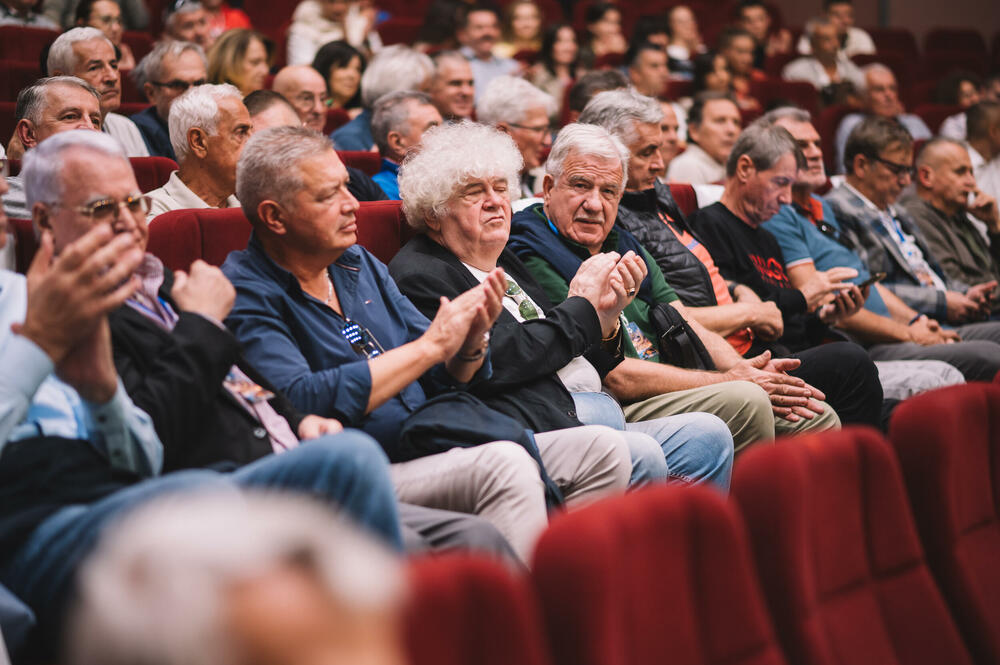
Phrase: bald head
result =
(937, 150)
(305, 88)
(944, 175)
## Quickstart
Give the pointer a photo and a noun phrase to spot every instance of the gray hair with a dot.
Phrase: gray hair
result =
(269, 166)
(42, 169)
(396, 67)
(198, 107)
(871, 68)
(509, 99)
(184, 8)
(155, 589)
(450, 155)
(391, 114)
(150, 68)
(816, 22)
(619, 110)
(31, 101)
(793, 113)
(61, 57)
(764, 146)
(586, 140)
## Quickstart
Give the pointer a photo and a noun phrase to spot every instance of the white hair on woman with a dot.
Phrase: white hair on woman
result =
(61, 57)
(155, 590)
(619, 110)
(394, 68)
(509, 99)
(451, 155)
(269, 165)
(198, 107)
(586, 141)
(42, 169)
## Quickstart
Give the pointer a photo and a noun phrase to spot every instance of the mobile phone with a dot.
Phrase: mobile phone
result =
(875, 277)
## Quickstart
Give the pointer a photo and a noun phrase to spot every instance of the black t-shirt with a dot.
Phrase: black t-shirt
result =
(363, 188)
(752, 256)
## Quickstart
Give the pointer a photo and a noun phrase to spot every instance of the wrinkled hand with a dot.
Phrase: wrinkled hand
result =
(451, 325)
(791, 397)
(89, 366)
(824, 285)
(204, 290)
(313, 427)
(845, 304)
(961, 308)
(603, 285)
(69, 296)
(984, 208)
(767, 322)
(493, 287)
(982, 295)
(926, 332)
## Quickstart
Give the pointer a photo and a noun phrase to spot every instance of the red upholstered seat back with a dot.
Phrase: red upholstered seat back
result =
(658, 576)
(152, 172)
(23, 43)
(368, 161)
(179, 237)
(948, 443)
(471, 611)
(15, 76)
(838, 556)
(685, 197)
(24, 243)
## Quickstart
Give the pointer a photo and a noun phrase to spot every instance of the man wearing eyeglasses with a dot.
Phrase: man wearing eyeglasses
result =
(305, 89)
(167, 72)
(878, 156)
(518, 108)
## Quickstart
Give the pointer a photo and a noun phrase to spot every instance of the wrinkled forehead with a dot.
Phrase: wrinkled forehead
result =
(597, 169)
(85, 173)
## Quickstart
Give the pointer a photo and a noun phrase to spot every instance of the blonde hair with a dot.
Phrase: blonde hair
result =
(225, 58)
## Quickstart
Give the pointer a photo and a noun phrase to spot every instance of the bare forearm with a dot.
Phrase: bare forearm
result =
(394, 370)
(870, 327)
(636, 379)
(723, 319)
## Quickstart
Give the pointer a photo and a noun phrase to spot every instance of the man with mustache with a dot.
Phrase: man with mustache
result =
(478, 35)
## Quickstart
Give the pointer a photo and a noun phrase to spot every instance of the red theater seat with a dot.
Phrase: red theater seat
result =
(948, 443)
(934, 114)
(24, 44)
(937, 64)
(894, 39)
(368, 161)
(24, 243)
(335, 118)
(139, 41)
(15, 76)
(838, 556)
(662, 575)
(685, 197)
(152, 172)
(903, 65)
(827, 123)
(471, 611)
(399, 30)
(799, 93)
(7, 121)
(955, 39)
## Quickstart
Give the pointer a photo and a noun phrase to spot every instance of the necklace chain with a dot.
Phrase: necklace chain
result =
(329, 288)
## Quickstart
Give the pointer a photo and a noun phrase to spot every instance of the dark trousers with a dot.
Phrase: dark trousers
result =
(848, 377)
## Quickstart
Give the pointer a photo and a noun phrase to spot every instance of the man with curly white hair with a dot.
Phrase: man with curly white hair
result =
(548, 362)
(208, 126)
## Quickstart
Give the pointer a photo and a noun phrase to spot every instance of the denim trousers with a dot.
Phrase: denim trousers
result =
(348, 470)
(689, 447)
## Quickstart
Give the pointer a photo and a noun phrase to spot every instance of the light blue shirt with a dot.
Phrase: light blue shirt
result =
(484, 71)
(33, 402)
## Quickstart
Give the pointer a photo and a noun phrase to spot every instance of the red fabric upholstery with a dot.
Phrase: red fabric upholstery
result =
(941, 63)
(838, 556)
(894, 39)
(944, 39)
(179, 237)
(368, 161)
(7, 121)
(24, 44)
(269, 17)
(948, 443)
(826, 124)
(685, 197)
(658, 576)
(471, 611)
(14, 77)
(152, 172)
(901, 63)
(399, 30)
(139, 41)
(935, 114)
(800, 93)
(24, 243)
(335, 118)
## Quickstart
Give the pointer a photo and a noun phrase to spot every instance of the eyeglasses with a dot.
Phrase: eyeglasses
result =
(309, 99)
(541, 129)
(177, 85)
(361, 340)
(105, 210)
(896, 169)
(525, 307)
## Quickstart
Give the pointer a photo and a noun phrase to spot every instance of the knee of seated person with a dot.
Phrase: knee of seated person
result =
(612, 444)
(747, 393)
(714, 435)
(509, 458)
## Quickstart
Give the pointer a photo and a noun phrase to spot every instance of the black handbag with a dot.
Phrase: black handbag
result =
(678, 343)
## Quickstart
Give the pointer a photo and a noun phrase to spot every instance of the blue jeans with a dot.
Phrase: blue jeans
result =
(348, 470)
(690, 447)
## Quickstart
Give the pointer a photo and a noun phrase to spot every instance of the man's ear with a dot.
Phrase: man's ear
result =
(40, 218)
(548, 182)
(503, 127)
(744, 168)
(272, 215)
(859, 166)
(149, 90)
(395, 141)
(925, 176)
(25, 132)
(196, 142)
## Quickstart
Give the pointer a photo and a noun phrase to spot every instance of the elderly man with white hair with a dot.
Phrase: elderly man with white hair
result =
(208, 127)
(393, 68)
(547, 361)
(518, 108)
(87, 54)
(187, 21)
(400, 120)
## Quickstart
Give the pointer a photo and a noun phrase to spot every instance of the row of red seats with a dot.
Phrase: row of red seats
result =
(818, 560)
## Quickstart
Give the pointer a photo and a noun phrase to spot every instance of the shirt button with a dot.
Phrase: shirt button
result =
(259, 432)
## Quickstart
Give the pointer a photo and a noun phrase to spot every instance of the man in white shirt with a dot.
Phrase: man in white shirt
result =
(828, 65)
(208, 126)
(853, 40)
(86, 53)
(713, 126)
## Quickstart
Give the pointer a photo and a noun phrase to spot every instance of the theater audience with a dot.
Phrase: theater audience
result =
(135, 13)
(946, 195)
(713, 124)
(306, 90)
(646, 64)
(187, 21)
(685, 41)
(241, 58)
(106, 16)
(521, 110)
(669, 356)
(87, 54)
(590, 84)
(604, 33)
(736, 45)
(323, 321)
(453, 87)
(558, 63)
(827, 68)
(880, 97)
(478, 34)
(208, 126)
(983, 144)
(810, 238)
(23, 12)
(879, 153)
(49, 106)
(262, 579)
(394, 68)
(547, 362)
(167, 72)
(341, 66)
(317, 22)
(522, 29)
(853, 40)
(399, 122)
(957, 89)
